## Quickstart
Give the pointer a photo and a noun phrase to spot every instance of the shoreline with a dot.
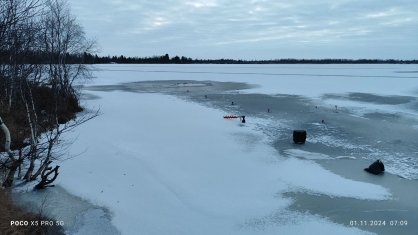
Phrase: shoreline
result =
(77, 215)
(13, 212)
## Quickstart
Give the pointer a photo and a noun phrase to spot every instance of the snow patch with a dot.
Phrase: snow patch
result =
(334, 142)
(306, 155)
(345, 157)
(305, 175)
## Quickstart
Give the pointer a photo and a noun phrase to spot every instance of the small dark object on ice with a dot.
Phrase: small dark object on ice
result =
(242, 119)
(376, 168)
(206, 96)
(299, 136)
(268, 110)
(232, 103)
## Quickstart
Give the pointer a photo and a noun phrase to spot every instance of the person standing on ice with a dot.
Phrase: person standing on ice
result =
(242, 119)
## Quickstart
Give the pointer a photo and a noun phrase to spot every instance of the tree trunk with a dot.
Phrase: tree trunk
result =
(45, 181)
(29, 172)
(7, 138)
(8, 182)
(46, 162)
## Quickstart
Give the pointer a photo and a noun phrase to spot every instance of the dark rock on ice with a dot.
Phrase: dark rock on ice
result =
(299, 136)
(376, 168)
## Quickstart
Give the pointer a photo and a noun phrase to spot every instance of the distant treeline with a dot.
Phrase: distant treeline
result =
(166, 59)
(87, 58)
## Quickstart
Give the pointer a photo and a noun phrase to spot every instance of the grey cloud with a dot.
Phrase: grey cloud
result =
(251, 28)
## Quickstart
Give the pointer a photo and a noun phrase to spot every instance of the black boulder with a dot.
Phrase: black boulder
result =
(376, 168)
(299, 136)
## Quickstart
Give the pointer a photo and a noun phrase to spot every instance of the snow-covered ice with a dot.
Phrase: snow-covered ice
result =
(311, 177)
(166, 166)
(163, 165)
(306, 80)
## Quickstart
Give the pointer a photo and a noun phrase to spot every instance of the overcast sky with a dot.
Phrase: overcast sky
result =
(253, 29)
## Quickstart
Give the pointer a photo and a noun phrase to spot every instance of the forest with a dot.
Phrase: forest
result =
(166, 59)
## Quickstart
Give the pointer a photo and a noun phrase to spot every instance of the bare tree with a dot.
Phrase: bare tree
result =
(17, 30)
(51, 144)
(12, 163)
(17, 34)
(63, 36)
(47, 29)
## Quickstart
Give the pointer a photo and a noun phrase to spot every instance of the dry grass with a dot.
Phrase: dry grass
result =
(47, 105)
(10, 212)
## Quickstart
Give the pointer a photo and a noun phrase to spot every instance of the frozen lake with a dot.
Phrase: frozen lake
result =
(162, 159)
(378, 103)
